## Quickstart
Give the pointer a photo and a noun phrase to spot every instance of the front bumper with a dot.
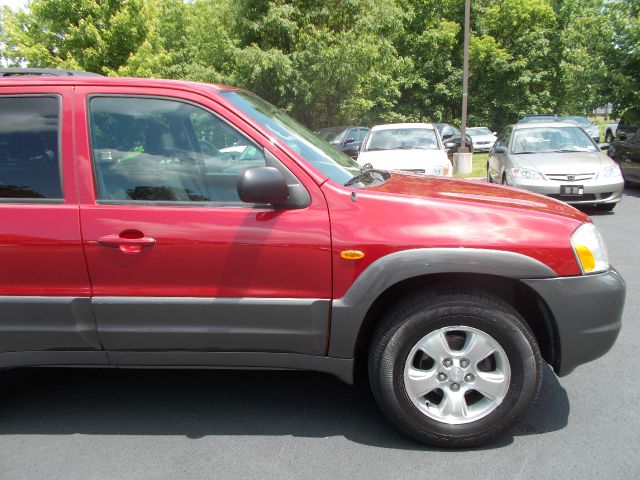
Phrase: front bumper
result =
(587, 314)
(595, 191)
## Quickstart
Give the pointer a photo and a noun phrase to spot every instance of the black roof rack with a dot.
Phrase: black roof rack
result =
(43, 72)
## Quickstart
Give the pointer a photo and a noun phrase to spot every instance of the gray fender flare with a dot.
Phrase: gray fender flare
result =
(348, 313)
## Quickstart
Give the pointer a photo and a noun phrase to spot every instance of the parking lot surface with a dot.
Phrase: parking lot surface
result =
(135, 424)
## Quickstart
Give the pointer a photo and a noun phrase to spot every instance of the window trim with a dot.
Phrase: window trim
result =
(167, 203)
(62, 199)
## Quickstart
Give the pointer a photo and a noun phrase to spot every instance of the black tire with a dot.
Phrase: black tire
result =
(413, 318)
(504, 179)
(489, 179)
(608, 137)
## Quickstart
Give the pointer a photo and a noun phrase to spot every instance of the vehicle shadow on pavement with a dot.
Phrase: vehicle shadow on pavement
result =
(200, 403)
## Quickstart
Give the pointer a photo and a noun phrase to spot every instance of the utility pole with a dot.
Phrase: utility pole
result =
(465, 76)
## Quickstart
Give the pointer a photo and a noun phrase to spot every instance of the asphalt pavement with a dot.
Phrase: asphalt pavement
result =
(148, 424)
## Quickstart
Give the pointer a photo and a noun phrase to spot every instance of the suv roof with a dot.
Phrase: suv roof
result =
(43, 72)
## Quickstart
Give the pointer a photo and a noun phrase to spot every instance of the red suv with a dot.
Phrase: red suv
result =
(175, 224)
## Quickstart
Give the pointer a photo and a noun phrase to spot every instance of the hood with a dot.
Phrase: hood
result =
(405, 159)
(471, 191)
(484, 138)
(568, 163)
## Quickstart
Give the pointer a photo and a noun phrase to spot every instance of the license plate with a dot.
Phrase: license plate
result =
(571, 190)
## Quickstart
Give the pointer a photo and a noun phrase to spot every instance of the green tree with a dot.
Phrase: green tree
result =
(93, 35)
(623, 53)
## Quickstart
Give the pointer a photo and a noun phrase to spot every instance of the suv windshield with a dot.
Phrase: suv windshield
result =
(403, 138)
(551, 139)
(333, 163)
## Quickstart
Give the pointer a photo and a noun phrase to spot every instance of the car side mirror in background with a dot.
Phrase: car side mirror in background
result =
(447, 135)
(450, 145)
(349, 140)
(500, 150)
(262, 185)
(603, 146)
(495, 134)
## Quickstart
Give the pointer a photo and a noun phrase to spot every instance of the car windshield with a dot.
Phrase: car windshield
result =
(403, 138)
(327, 159)
(331, 134)
(551, 139)
(477, 131)
(582, 121)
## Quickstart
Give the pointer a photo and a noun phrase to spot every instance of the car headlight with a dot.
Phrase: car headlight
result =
(525, 174)
(442, 170)
(590, 249)
(611, 171)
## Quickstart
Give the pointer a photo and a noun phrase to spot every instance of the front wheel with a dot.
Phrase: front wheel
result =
(454, 368)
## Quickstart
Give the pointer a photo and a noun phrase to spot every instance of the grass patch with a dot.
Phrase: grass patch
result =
(479, 166)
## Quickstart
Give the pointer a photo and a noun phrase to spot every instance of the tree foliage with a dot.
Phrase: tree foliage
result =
(331, 62)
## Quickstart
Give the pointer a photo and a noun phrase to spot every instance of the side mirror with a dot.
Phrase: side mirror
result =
(450, 144)
(446, 136)
(500, 150)
(349, 140)
(495, 134)
(603, 146)
(262, 185)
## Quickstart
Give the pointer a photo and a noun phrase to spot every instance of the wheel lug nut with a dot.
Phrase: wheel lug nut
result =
(447, 362)
(464, 363)
(469, 378)
(454, 387)
(442, 376)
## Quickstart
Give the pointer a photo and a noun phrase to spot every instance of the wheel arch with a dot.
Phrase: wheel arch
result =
(524, 299)
(386, 281)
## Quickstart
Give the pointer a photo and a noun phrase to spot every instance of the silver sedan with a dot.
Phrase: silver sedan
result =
(558, 160)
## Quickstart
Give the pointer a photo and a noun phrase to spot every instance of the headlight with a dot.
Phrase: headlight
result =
(526, 174)
(590, 249)
(442, 170)
(611, 171)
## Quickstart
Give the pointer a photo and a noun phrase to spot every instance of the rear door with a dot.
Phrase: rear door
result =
(177, 262)
(44, 286)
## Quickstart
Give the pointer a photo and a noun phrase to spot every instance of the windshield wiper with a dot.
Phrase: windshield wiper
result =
(367, 171)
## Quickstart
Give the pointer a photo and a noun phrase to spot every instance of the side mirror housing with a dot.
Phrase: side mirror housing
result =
(262, 185)
(349, 140)
(603, 146)
(500, 150)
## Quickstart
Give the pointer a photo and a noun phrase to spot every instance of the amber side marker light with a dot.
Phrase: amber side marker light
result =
(586, 258)
(351, 254)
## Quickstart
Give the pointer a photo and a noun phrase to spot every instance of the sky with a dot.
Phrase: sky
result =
(12, 3)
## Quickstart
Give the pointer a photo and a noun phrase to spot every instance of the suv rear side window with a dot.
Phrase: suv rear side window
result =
(151, 149)
(29, 148)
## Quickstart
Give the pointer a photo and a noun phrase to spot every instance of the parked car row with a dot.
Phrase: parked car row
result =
(411, 147)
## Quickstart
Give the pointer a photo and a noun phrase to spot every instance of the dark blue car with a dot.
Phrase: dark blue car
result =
(346, 139)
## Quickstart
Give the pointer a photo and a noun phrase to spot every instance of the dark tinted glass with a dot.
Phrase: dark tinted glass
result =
(162, 150)
(330, 161)
(29, 150)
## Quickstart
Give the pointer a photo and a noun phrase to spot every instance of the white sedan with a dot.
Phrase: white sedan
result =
(482, 138)
(409, 147)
